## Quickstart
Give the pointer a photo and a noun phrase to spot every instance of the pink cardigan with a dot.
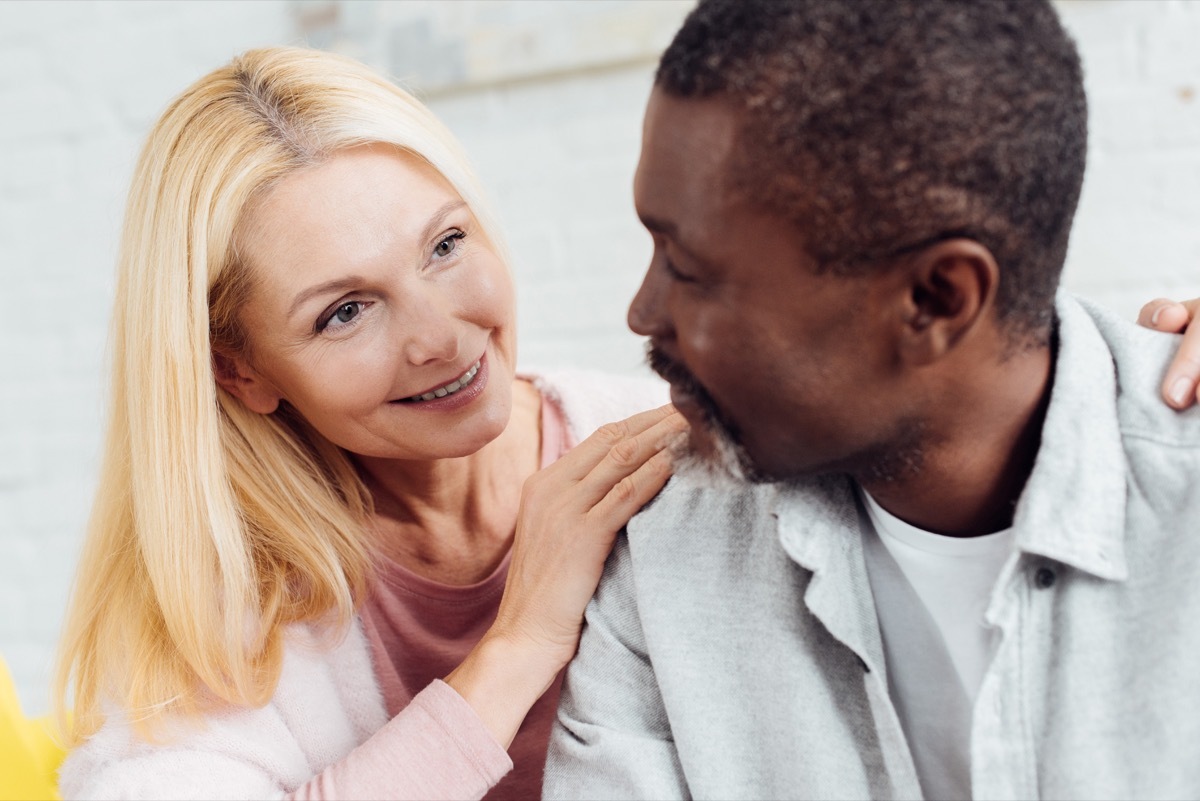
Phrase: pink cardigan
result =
(327, 715)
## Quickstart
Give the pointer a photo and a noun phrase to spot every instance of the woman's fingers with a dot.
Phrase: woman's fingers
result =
(1166, 315)
(578, 481)
(1183, 376)
(1179, 387)
(633, 492)
(584, 457)
(570, 515)
(626, 457)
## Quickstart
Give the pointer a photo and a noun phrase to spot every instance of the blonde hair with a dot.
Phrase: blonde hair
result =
(215, 527)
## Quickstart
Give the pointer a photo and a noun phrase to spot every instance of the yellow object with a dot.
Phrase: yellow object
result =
(29, 756)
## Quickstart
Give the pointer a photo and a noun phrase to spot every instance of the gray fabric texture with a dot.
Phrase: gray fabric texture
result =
(733, 651)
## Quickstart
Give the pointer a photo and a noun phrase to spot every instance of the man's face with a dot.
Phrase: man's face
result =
(788, 364)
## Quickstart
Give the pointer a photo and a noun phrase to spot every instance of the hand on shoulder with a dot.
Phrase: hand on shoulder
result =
(1181, 385)
(569, 517)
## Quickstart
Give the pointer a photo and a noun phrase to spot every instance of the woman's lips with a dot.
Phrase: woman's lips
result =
(464, 379)
(457, 399)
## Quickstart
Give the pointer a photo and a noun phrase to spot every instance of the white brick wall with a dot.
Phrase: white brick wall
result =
(80, 82)
(547, 97)
(1137, 232)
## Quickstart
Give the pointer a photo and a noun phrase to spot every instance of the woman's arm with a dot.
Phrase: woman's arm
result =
(436, 747)
(451, 739)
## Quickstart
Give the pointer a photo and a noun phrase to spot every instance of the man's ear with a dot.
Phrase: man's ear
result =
(951, 288)
(242, 381)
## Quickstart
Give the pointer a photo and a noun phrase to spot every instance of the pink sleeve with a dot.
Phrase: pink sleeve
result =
(437, 747)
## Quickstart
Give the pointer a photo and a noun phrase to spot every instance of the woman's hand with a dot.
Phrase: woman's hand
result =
(1180, 387)
(569, 517)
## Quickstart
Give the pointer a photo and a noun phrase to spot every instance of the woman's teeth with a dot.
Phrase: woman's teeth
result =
(449, 389)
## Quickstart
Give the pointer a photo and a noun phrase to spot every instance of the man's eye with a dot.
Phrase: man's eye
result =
(674, 272)
(448, 245)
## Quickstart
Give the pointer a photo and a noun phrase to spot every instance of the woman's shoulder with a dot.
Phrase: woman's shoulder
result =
(590, 398)
(326, 703)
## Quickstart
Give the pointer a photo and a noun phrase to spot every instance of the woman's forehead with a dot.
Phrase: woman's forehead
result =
(351, 207)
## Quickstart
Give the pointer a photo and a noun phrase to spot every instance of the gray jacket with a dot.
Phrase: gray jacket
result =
(733, 649)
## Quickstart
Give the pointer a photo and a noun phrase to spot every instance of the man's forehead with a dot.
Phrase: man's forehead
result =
(686, 145)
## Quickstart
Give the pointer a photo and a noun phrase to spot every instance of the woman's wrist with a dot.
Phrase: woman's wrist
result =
(501, 679)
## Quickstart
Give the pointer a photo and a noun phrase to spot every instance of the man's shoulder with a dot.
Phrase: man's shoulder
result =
(726, 530)
(692, 504)
(1140, 358)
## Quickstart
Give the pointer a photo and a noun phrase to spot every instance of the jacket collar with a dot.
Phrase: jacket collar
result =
(819, 523)
(1073, 507)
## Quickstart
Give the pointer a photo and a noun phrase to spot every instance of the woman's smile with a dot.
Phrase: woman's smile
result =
(456, 394)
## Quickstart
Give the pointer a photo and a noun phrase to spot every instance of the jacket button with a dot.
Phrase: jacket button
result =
(1044, 578)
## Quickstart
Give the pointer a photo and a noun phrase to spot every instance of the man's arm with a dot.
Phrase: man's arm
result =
(612, 739)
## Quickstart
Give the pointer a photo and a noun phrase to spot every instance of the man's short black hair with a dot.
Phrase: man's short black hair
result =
(879, 125)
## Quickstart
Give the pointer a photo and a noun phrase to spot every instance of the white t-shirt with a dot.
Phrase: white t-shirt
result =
(931, 592)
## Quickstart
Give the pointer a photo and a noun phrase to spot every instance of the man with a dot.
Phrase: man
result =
(966, 568)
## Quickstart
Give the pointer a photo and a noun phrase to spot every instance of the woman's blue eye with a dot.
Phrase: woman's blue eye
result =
(343, 314)
(448, 245)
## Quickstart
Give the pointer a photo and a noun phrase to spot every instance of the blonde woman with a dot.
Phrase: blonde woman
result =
(311, 570)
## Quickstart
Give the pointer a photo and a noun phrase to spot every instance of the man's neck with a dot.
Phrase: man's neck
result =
(985, 439)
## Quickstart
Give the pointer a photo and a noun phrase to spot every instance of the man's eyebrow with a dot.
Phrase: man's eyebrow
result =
(349, 282)
(658, 226)
(670, 229)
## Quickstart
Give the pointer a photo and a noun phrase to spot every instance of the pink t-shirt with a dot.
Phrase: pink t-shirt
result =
(420, 630)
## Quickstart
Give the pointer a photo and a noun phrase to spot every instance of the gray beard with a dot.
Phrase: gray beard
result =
(726, 466)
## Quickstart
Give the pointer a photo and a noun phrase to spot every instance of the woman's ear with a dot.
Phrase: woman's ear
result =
(235, 375)
(951, 287)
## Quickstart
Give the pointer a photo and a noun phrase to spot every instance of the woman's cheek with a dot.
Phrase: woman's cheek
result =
(361, 374)
(489, 299)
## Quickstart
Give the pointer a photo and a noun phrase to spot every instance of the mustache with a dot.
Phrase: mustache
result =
(679, 376)
(672, 371)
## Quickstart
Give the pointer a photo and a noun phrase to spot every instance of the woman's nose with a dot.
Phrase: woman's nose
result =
(431, 333)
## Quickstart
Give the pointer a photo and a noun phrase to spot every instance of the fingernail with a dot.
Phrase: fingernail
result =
(1154, 317)
(1180, 390)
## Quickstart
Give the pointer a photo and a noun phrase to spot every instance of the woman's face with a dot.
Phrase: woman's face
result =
(377, 309)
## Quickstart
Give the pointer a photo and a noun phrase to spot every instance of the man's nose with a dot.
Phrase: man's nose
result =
(648, 311)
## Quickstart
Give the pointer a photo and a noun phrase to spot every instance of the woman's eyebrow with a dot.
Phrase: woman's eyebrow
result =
(439, 217)
(338, 285)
